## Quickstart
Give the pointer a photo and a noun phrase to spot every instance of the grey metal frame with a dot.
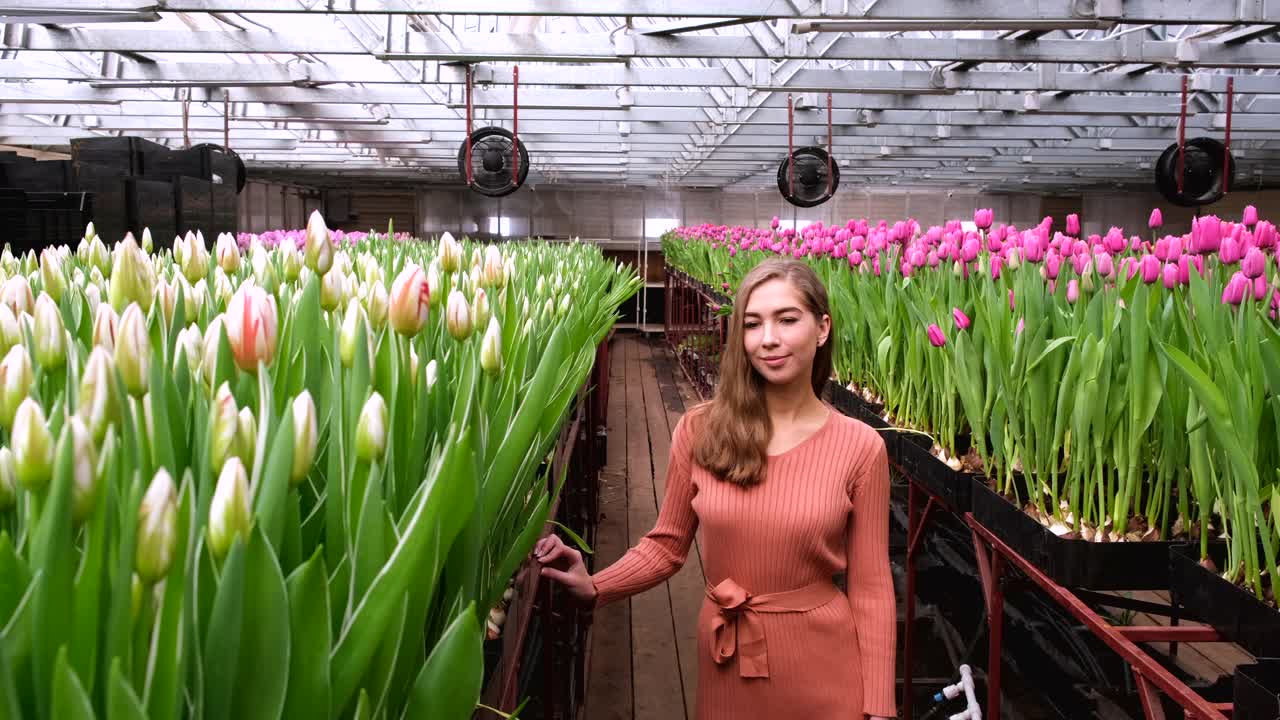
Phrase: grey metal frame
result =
(990, 94)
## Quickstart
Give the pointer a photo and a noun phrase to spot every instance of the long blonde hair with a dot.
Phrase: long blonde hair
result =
(733, 428)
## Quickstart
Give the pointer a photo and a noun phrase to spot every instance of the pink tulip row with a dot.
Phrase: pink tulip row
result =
(1246, 249)
(274, 238)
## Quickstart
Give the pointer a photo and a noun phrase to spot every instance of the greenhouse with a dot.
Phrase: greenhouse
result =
(639, 360)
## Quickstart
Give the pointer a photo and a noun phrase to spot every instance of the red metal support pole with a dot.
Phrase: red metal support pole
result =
(515, 125)
(908, 632)
(468, 139)
(996, 646)
(791, 175)
(830, 154)
(1226, 156)
(1182, 137)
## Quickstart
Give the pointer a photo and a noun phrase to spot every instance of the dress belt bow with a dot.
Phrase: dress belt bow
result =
(738, 630)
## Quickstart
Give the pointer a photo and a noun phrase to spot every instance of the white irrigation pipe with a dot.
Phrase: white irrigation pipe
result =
(965, 686)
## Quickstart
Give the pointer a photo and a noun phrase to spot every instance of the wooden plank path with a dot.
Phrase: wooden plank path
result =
(643, 656)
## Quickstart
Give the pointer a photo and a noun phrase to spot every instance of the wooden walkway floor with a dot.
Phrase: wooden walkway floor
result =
(642, 663)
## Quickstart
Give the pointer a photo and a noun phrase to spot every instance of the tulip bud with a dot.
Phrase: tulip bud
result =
(458, 316)
(97, 404)
(333, 290)
(246, 436)
(16, 293)
(209, 349)
(252, 321)
(229, 512)
(157, 529)
(222, 289)
(106, 325)
(481, 311)
(433, 371)
(10, 331)
(16, 379)
(84, 472)
(354, 327)
(319, 248)
(962, 321)
(8, 480)
(563, 309)
(1254, 264)
(491, 348)
(133, 278)
(409, 302)
(371, 430)
(188, 348)
(32, 445)
(493, 273)
(167, 298)
(435, 285)
(89, 231)
(474, 278)
(508, 270)
(50, 339)
(1250, 216)
(224, 425)
(133, 351)
(1073, 291)
(376, 303)
(228, 254)
(306, 435)
(51, 276)
(450, 254)
(148, 245)
(936, 337)
(290, 261)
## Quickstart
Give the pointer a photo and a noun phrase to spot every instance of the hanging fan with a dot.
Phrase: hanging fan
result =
(807, 176)
(491, 162)
(1192, 173)
(804, 179)
(1204, 181)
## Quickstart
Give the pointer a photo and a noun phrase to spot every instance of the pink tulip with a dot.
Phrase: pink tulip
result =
(774, 223)
(936, 337)
(1150, 268)
(1010, 299)
(1073, 291)
(251, 322)
(1184, 269)
(1207, 234)
(932, 259)
(1161, 250)
(970, 249)
(1018, 330)
(996, 264)
(962, 320)
(1229, 251)
(1254, 264)
(1052, 265)
(1250, 216)
(1236, 289)
(855, 258)
(907, 269)
(1129, 267)
(1156, 219)
(1104, 265)
(1170, 276)
(1073, 225)
(1260, 288)
(982, 218)
(1264, 235)
(1115, 241)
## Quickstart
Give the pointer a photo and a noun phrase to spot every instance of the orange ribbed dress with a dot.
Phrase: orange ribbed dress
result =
(776, 637)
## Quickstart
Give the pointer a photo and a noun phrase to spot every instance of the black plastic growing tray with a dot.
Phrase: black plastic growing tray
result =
(1237, 614)
(1256, 691)
(1072, 563)
(851, 404)
(952, 487)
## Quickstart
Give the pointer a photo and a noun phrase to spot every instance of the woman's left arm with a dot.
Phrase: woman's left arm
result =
(871, 583)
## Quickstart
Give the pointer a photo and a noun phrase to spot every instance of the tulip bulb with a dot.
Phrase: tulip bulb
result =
(157, 529)
(229, 511)
(371, 430)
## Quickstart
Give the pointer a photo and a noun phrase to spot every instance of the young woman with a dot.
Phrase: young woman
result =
(788, 493)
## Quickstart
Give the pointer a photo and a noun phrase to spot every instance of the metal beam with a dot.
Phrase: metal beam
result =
(1172, 12)
(601, 47)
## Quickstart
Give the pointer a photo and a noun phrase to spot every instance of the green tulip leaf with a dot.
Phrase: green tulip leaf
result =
(448, 687)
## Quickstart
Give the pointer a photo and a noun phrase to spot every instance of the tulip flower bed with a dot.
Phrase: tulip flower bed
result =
(1119, 388)
(277, 483)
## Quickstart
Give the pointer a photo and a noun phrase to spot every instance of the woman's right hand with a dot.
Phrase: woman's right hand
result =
(564, 565)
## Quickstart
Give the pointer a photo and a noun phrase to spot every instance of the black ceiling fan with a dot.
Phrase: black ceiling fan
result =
(493, 160)
(808, 176)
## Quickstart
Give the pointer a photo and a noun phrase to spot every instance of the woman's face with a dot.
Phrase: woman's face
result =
(780, 335)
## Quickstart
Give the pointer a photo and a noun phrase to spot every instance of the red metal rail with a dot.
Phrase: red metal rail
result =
(1152, 677)
(689, 312)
